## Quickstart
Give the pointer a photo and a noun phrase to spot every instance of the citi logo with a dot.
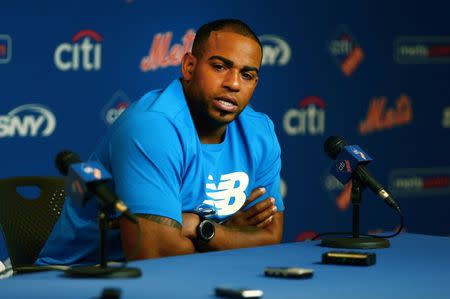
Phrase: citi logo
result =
(347, 52)
(228, 196)
(162, 55)
(118, 103)
(31, 120)
(379, 118)
(276, 51)
(113, 113)
(309, 119)
(84, 52)
(5, 48)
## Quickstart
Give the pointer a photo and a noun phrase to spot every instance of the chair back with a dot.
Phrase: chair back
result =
(27, 223)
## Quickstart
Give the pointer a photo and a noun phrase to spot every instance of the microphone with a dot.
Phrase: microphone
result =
(88, 178)
(350, 162)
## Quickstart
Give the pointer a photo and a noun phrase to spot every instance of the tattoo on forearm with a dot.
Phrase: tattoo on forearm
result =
(161, 220)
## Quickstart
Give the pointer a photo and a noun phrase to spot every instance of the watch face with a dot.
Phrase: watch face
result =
(207, 230)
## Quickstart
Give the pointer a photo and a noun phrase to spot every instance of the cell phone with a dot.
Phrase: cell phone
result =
(289, 272)
(228, 292)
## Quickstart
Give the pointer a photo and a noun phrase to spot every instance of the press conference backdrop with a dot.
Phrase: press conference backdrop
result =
(375, 73)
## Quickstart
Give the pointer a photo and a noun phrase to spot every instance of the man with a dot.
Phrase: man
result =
(177, 153)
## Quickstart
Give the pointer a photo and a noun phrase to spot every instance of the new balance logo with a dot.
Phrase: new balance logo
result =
(228, 196)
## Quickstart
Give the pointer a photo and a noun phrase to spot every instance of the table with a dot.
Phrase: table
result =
(415, 266)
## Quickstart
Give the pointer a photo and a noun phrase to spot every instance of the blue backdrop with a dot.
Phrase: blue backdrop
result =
(375, 73)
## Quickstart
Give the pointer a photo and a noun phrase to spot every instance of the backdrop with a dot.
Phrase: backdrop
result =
(376, 74)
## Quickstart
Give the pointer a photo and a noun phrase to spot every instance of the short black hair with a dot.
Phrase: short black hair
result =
(233, 25)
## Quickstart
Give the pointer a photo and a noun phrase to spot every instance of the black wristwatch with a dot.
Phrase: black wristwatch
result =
(205, 230)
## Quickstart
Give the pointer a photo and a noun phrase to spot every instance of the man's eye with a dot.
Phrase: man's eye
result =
(247, 76)
(218, 67)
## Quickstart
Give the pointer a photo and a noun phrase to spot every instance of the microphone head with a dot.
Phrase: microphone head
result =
(333, 146)
(64, 159)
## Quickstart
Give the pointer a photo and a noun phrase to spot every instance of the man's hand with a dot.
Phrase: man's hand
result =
(260, 215)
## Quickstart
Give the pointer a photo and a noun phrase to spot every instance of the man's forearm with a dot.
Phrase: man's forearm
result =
(161, 237)
(248, 236)
(183, 246)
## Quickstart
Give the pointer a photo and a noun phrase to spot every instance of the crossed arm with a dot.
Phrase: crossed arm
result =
(259, 225)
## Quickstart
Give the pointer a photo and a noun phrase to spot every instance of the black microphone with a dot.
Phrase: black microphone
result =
(66, 158)
(334, 145)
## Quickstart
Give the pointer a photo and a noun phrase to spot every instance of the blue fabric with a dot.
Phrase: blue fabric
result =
(160, 167)
(414, 267)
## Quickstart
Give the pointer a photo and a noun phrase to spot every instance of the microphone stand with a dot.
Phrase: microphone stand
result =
(103, 270)
(356, 241)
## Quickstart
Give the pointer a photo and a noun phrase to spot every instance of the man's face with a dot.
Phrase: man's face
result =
(224, 77)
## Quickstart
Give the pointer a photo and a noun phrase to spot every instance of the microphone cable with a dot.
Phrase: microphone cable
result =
(399, 230)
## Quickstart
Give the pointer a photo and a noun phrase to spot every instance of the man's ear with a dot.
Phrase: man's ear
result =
(188, 64)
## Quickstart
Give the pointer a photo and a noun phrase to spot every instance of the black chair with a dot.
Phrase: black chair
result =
(27, 223)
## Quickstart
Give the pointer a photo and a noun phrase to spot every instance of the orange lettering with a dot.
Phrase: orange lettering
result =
(188, 40)
(350, 64)
(175, 55)
(378, 118)
(161, 55)
(404, 110)
(389, 119)
(373, 119)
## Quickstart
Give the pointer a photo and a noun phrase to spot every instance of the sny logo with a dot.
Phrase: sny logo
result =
(5, 48)
(276, 51)
(309, 119)
(27, 120)
(347, 52)
(222, 194)
(379, 118)
(162, 56)
(85, 49)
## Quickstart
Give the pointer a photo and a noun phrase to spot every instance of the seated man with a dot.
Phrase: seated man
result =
(177, 150)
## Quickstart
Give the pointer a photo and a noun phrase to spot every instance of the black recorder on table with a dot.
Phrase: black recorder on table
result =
(288, 272)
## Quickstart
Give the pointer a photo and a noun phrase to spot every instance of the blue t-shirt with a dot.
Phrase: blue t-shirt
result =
(160, 167)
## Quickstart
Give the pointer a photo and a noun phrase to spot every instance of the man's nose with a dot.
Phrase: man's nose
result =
(232, 80)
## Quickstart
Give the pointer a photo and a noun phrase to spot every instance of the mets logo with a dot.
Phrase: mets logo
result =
(162, 54)
(228, 196)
